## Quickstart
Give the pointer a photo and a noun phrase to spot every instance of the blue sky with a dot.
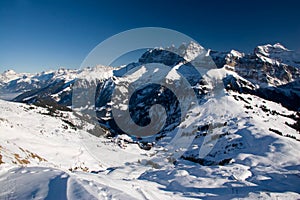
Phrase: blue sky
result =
(38, 35)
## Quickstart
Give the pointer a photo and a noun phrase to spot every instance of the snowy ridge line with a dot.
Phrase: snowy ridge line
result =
(245, 133)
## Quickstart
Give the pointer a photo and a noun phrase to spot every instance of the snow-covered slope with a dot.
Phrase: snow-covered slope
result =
(44, 157)
(235, 135)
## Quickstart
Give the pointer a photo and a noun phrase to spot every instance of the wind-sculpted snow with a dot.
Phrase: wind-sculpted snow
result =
(53, 184)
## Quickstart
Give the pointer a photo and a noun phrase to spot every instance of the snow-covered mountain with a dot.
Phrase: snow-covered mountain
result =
(10, 75)
(239, 121)
(271, 72)
(268, 65)
(44, 156)
(13, 84)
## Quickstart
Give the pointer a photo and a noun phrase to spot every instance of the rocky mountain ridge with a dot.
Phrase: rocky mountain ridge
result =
(268, 71)
(227, 133)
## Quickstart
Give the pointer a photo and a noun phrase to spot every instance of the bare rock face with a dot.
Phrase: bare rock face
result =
(268, 65)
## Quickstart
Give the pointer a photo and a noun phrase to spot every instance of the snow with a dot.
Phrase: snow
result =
(280, 46)
(96, 73)
(277, 53)
(10, 75)
(265, 167)
(237, 54)
(239, 156)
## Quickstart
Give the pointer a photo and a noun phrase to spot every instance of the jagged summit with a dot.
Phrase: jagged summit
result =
(269, 49)
(268, 66)
(190, 51)
(241, 140)
(236, 53)
(277, 54)
(172, 55)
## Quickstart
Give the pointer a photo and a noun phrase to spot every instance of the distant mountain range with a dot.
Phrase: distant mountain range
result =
(267, 72)
(239, 140)
(271, 72)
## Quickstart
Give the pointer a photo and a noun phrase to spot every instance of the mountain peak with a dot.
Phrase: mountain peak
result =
(269, 49)
(280, 46)
(9, 72)
(189, 51)
(236, 53)
(9, 75)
